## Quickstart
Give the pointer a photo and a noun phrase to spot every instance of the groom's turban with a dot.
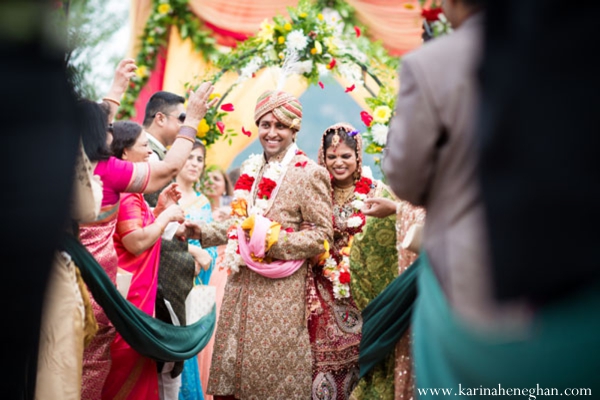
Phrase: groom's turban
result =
(284, 106)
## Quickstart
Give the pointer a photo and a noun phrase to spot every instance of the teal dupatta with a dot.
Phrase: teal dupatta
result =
(148, 336)
(555, 355)
(387, 317)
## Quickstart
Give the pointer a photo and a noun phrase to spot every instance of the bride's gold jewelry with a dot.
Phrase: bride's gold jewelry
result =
(341, 195)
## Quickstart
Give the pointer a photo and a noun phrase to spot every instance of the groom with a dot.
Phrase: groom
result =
(262, 346)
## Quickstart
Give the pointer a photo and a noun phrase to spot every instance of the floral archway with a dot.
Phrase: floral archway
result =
(326, 35)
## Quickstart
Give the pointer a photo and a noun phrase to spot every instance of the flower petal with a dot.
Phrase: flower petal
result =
(227, 107)
(221, 126)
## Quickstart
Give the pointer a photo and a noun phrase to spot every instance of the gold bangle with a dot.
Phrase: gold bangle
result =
(109, 99)
(185, 137)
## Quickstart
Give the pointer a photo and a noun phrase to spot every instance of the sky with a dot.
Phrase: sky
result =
(103, 57)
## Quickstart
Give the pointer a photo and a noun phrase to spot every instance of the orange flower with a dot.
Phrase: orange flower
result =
(345, 251)
(239, 208)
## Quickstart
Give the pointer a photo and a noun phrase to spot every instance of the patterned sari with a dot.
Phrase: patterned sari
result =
(197, 211)
(376, 260)
(133, 375)
(373, 265)
(117, 176)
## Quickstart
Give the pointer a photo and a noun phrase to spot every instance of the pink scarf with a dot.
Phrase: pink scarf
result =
(256, 246)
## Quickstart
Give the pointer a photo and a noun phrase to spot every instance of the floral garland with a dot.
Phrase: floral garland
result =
(164, 14)
(325, 34)
(242, 206)
(336, 267)
(382, 105)
(327, 39)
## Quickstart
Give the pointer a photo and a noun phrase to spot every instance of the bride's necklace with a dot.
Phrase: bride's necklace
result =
(341, 195)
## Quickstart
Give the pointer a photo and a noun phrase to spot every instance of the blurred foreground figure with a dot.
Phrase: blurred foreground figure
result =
(540, 169)
(40, 140)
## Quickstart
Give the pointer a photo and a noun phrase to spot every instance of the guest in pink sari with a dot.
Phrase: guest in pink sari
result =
(119, 176)
(137, 241)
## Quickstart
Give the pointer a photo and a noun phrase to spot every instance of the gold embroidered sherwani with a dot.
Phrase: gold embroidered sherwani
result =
(262, 348)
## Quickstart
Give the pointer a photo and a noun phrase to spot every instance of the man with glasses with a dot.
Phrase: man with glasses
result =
(164, 115)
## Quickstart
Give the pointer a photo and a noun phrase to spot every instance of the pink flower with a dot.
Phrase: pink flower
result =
(366, 118)
(221, 126)
(227, 107)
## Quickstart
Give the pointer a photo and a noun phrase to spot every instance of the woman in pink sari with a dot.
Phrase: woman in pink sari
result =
(137, 240)
(120, 176)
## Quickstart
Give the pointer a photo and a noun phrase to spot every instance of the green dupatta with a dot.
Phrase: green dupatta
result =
(386, 318)
(146, 335)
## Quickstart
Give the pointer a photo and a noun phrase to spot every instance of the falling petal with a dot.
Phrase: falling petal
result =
(366, 118)
(321, 84)
(227, 107)
(221, 126)
(245, 132)
(350, 88)
(357, 30)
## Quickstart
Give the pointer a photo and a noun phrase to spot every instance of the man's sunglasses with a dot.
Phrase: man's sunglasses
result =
(180, 117)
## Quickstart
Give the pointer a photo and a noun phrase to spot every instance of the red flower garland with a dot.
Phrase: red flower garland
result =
(344, 277)
(265, 188)
(363, 186)
(431, 14)
(244, 182)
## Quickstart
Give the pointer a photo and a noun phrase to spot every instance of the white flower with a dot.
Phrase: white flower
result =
(232, 259)
(333, 19)
(367, 173)
(322, 68)
(354, 222)
(260, 205)
(296, 40)
(305, 67)
(252, 165)
(358, 204)
(250, 68)
(340, 291)
(330, 263)
(379, 133)
(241, 194)
(351, 72)
(271, 54)
(273, 171)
